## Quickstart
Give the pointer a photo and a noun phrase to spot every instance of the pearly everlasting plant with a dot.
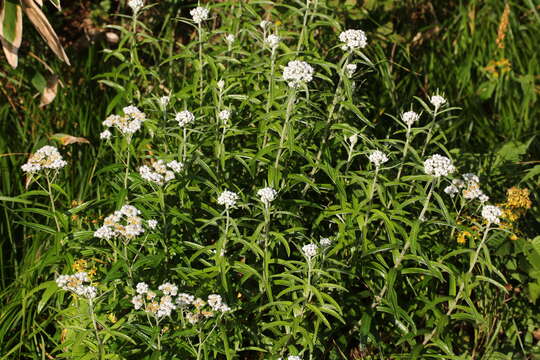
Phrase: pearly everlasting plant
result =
(378, 158)
(127, 124)
(267, 195)
(136, 5)
(184, 118)
(228, 199)
(353, 39)
(272, 41)
(76, 284)
(161, 172)
(309, 250)
(438, 165)
(491, 214)
(124, 223)
(297, 73)
(199, 14)
(46, 158)
(437, 101)
(409, 118)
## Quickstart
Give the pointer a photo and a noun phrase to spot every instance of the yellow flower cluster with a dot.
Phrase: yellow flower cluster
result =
(81, 265)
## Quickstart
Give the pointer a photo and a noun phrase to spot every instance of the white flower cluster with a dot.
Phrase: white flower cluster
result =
(124, 222)
(224, 115)
(267, 195)
(264, 24)
(272, 41)
(184, 117)
(470, 186)
(491, 214)
(438, 165)
(161, 172)
(292, 357)
(325, 242)
(353, 39)
(378, 158)
(310, 250)
(437, 101)
(297, 72)
(164, 101)
(76, 284)
(227, 198)
(152, 224)
(229, 39)
(164, 306)
(136, 5)
(199, 14)
(350, 69)
(127, 124)
(105, 135)
(409, 118)
(47, 157)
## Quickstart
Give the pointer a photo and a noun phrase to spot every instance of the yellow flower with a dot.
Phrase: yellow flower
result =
(462, 237)
(513, 237)
(79, 265)
(112, 318)
(518, 198)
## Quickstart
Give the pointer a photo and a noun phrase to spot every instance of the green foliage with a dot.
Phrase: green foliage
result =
(393, 283)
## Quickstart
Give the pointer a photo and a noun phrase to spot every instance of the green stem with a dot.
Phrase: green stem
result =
(426, 203)
(201, 63)
(94, 323)
(266, 259)
(302, 32)
(368, 211)
(285, 130)
(270, 96)
(127, 165)
(51, 197)
(404, 153)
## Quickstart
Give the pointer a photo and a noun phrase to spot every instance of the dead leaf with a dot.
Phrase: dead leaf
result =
(11, 31)
(49, 93)
(66, 139)
(45, 29)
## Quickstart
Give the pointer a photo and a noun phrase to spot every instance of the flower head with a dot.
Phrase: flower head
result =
(264, 24)
(491, 214)
(437, 101)
(152, 224)
(164, 101)
(136, 5)
(199, 14)
(76, 284)
(350, 69)
(227, 198)
(47, 157)
(229, 39)
(224, 115)
(438, 165)
(451, 190)
(161, 172)
(142, 288)
(409, 118)
(124, 223)
(378, 158)
(267, 195)
(184, 117)
(309, 250)
(353, 39)
(127, 124)
(105, 135)
(272, 41)
(297, 72)
(168, 289)
(325, 242)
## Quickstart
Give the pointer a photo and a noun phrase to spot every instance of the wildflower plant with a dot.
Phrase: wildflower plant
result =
(275, 206)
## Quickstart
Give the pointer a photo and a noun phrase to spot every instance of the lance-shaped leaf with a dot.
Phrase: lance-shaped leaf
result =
(45, 29)
(11, 30)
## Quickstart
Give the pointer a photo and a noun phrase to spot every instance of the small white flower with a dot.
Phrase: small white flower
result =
(297, 72)
(483, 198)
(47, 157)
(199, 14)
(184, 299)
(105, 135)
(221, 85)
(437, 101)
(264, 24)
(309, 250)
(142, 288)
(353, 139)
(378, 158)
(409, 118)
(184, 117)
(168, 289)
(492, 214)
(76, 284)
(325, 242)
(471, 178)
(224, 115)
(137, 302)
(135, 5)
(438, 165)
(152, 224)
(214, 301)
(164, 101)
(175, 166)
(350, 69)
(229, 39)
(451, 190)
(267, 195)
(353, 39)
(272, 41)
(227, 198)
(294, 357)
